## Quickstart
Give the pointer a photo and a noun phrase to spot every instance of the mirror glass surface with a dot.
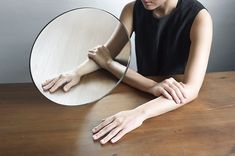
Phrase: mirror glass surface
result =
(63, 44)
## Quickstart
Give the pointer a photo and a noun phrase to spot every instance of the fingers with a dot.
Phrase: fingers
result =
(53, 84)
(105, 130)
(175, 89)
(95, 48)
(102, 124)
(69, 85)
(118, 125)
(114, 131)
(58, 84)
(172, 93)
(166, 94)
(50, 84)
(181, 86)
(111, 135)
(91, 54)
(93, 51)
(47, 82)
(119, 136)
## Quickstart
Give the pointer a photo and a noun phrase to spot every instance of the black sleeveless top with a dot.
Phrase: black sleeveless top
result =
(162, 44)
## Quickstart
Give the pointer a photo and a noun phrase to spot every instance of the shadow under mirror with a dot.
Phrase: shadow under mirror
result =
(59, 62)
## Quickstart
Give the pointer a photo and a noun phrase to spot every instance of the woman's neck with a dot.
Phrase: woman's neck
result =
(166, 8)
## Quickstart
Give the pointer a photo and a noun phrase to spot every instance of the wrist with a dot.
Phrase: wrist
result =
(109, 64)
(141, 113)
(81, 68)
(152, 88)
(77, 72)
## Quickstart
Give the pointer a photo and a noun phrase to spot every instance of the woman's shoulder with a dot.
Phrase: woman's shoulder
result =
(202, 14)
(193, 5)
(129, 6)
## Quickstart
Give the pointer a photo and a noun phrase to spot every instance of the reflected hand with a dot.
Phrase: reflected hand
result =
(66, 80)
(171, 89)
(101, 55)
(117, 126)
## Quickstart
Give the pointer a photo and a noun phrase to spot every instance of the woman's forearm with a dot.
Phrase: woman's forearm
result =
(115, 44)
(88, 66)
(161, 105)
(131, 78)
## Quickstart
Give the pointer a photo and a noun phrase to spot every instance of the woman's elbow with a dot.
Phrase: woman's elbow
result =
(191, 94)
(195, 95)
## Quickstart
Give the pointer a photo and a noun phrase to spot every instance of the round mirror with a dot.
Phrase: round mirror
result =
(63, 45)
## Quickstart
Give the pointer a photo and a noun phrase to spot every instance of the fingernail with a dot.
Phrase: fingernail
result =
(113, 141)
(94, 137)
(102, 141)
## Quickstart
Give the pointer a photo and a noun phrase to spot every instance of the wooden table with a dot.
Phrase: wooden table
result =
(31, 125)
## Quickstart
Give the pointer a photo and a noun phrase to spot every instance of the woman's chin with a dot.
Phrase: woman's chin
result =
(149, 7)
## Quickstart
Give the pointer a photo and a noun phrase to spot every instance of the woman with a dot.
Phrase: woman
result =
(172, 37)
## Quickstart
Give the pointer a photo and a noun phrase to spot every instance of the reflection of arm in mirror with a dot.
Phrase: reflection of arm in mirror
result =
(133, 78)
(116, 126)
(67, 80)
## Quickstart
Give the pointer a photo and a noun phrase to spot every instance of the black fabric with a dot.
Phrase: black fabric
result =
(162, 44)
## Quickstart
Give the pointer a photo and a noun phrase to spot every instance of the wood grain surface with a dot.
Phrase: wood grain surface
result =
(63, 45)
(31, 125)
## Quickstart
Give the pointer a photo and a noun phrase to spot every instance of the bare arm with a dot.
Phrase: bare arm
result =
(102, 56)
(114, 45)
(118, 125)
(201, 39)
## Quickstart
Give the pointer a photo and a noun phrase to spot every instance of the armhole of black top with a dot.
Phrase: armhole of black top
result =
(197, 7)
(134, 16)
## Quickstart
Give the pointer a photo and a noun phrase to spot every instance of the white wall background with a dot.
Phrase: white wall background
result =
(21, 21)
